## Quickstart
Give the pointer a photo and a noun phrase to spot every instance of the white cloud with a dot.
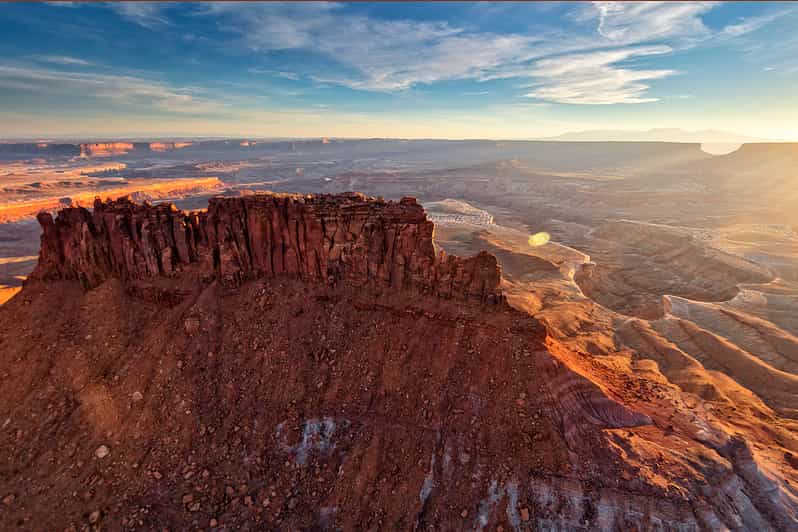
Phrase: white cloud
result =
(629, 30)
(638, 22)
(380, 55)
(125, 90)
(589, 66)
(383, 67)
(62, 60)
(749, 25)
(147, 14)
(276, 73)
(758, 51)
(596, 78)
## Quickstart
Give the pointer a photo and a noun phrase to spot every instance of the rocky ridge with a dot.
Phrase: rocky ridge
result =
(346, 238)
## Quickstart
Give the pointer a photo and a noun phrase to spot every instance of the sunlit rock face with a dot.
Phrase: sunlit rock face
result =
(328, 238)
(84, 194)
(105, 149)
(168, 146)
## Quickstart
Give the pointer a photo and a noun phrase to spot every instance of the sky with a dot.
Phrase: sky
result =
(427, 70)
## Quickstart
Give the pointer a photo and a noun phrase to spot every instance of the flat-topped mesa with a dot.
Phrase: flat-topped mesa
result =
(105, 149)
(325, 238)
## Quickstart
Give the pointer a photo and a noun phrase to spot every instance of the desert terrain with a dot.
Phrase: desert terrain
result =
(621, 353)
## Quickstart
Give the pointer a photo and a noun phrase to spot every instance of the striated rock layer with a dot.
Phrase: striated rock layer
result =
(105, 149)
(168, 146)
(328, 238)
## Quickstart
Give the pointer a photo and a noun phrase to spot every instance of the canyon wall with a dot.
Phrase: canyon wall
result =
(140, 190)
(331, 239)
(105, 149)
(22, 150)
(168, 146)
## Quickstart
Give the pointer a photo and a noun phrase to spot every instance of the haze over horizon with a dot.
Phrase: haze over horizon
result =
(668, 135)
(454, 70)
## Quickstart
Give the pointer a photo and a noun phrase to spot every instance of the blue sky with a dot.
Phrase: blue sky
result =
(447, 70)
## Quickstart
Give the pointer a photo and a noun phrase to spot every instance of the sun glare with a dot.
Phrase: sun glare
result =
(539, 239)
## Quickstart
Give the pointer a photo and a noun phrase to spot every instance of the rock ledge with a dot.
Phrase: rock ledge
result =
(324, 238)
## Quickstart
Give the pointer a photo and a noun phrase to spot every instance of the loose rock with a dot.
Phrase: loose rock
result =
(102, 451)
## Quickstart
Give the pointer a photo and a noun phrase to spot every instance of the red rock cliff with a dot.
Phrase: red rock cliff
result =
(347, 238)
(105, 149)
(168, 146)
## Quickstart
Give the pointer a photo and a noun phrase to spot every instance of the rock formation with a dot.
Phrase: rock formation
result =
(329, 238)
(138, 189)
(287, 362)
(168, 146)
(105, 149)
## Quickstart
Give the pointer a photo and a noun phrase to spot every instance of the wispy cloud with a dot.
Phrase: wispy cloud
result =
(745, 35)
(150, 15)
(124, 90)
(637, 22)
(596, 78)
(395, 55)
(628, 30)
(750, 25)
(599, 61)
(379, 55)
(275, 73)
(61, 60)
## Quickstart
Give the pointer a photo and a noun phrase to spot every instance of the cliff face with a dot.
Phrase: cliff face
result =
(168, 146)
(105, 149)
(327, 238)
(139, 190)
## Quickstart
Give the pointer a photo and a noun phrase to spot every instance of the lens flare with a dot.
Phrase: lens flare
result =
(539, 239)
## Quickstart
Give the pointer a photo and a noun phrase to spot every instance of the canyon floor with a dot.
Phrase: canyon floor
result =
(641, 371)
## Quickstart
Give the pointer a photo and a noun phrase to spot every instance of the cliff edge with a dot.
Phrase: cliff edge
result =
(329, 239)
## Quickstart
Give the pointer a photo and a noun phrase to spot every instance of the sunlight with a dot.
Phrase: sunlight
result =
(720, 148)
(539, 239)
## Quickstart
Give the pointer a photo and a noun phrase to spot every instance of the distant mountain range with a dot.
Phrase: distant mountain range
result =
(705, 136)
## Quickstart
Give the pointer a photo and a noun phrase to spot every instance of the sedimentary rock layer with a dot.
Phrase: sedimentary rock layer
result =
(328, 238)
(105, 149)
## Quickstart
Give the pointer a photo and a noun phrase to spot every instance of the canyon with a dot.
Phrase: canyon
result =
(339, 267)
(85, 194)
(616, 350)
(290, 361)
